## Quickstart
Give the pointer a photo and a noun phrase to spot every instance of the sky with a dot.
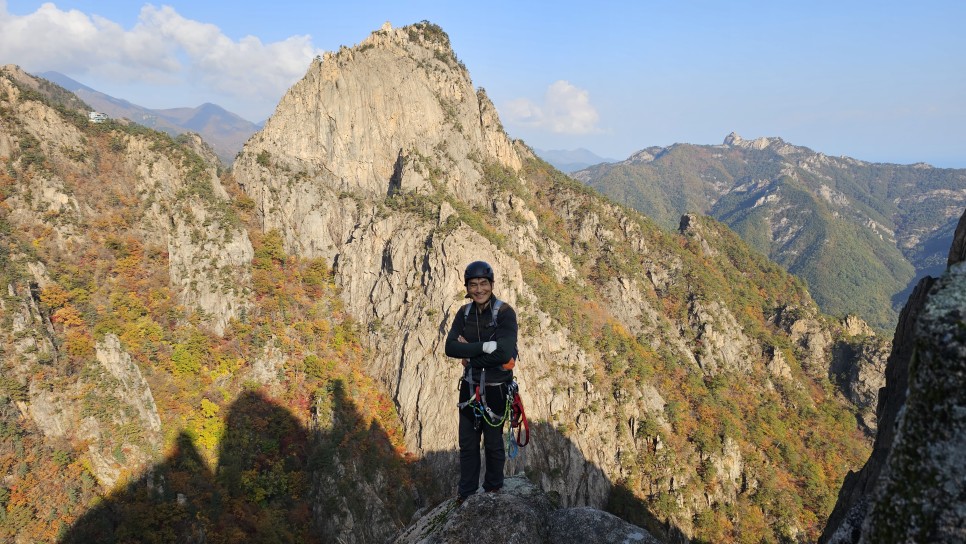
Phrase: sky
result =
(880, 81)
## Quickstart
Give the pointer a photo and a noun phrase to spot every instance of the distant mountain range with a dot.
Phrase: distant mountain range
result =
(861, 234)
(571, 160)
(225, 131)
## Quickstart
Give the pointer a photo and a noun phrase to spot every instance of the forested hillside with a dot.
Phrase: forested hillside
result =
(110, 366)
(860, 234)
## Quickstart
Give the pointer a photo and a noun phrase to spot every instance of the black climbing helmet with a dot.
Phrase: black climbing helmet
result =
(477, 269)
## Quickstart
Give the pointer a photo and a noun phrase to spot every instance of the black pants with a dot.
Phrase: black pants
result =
(471, 428)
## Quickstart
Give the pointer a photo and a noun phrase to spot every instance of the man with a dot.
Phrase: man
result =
(484, 336)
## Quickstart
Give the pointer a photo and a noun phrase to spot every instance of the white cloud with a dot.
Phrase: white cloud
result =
(246, 67)
(163, 48)
(566, 109)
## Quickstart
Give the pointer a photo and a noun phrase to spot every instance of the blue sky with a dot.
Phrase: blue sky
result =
(880, 81)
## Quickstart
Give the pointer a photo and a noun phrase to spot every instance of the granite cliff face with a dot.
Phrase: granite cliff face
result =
(387, 163)
(912, 487)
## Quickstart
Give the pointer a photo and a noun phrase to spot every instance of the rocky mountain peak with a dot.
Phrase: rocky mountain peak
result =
(733, 139)
(17, 73)
(779, 145)
(388, 111)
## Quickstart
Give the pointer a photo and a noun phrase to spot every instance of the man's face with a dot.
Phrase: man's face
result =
(479, 290)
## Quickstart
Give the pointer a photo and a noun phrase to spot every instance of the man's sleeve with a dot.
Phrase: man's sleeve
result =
(455, 348)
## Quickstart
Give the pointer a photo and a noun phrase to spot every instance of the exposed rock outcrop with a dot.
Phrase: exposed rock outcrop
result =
(913, 488)
(145, 197)
(523, 514)
(184, 205)
(859, 368)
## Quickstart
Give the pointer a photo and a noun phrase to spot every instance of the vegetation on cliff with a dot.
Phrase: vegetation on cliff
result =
(266, 460)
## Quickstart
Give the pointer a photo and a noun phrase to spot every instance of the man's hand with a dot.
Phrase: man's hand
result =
(489, 347)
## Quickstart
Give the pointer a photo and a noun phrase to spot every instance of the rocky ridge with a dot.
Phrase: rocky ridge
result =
(911, 489)
(208, 255)
(208, 258)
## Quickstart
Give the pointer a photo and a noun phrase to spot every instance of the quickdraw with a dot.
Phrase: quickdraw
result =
(518, 418)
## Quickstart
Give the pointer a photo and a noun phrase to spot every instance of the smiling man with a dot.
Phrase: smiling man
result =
(484, 336)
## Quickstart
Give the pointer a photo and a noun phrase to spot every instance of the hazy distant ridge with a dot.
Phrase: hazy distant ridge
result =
(224, 130)
(571, 160)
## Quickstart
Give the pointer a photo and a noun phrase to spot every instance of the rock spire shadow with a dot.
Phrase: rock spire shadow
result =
(275, 481)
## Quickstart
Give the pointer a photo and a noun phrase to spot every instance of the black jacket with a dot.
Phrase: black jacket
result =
(476, 329)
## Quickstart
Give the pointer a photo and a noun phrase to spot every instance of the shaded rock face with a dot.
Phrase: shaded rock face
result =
(912, 488)
(858, 368)
(520, 513)
(921, 495)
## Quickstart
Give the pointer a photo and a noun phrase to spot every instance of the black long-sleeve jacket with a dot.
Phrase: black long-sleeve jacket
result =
(476, 329)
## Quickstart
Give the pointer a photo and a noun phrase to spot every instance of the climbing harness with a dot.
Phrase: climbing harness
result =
(513, 408)
(512, 411)
(477, 401)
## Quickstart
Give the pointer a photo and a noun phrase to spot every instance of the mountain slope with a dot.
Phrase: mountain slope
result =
(859, 233)
(225, 131)
(165, 368)
(685, 376)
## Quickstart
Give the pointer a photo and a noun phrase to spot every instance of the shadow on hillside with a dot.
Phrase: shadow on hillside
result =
(278, 482)
(275, 481)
